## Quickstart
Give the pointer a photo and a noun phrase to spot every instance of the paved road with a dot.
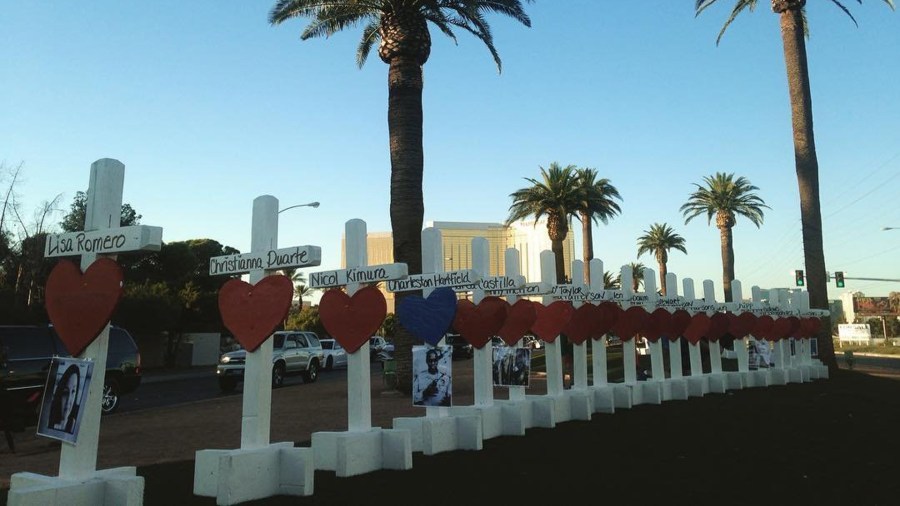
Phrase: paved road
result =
(160, 389)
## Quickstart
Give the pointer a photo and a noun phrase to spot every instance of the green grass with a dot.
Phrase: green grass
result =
(879, 348)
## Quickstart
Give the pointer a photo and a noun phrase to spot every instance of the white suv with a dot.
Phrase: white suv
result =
(293, 352)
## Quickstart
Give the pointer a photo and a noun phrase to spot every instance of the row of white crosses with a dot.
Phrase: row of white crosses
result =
(260, 469)
(660, 388)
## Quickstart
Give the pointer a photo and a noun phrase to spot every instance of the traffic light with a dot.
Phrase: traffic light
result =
(839, 279)
(798, 277)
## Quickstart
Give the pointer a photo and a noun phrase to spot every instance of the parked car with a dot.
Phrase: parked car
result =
(461, 348)
(25, 355)
(533, 342)
(335, 354)
(376, 346)
(293, 352)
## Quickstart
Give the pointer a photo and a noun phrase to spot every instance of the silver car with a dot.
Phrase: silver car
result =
(293, 352)
(335, 354)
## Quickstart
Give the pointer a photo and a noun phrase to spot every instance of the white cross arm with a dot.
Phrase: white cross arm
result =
(369, 274)
(522, 291)
(493, 284)
(674, 303)
(569, 292)
(605, 295)
(434, 280)
(106, 241)
(285, 258)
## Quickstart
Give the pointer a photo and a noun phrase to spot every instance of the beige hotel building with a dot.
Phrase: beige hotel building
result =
(526, 236)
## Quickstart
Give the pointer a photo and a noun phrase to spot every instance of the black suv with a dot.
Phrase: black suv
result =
(25, 355)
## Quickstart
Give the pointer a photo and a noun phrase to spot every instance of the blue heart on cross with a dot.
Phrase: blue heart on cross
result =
(428, 319)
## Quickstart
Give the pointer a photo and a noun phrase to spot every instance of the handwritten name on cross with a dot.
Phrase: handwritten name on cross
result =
(433, 280)
(101, 236)
(357, 275)
(270, 260)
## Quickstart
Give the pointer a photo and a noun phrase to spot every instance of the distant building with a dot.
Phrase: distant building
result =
(529, 238)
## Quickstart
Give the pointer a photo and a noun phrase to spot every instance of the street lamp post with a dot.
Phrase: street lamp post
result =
(311, 204)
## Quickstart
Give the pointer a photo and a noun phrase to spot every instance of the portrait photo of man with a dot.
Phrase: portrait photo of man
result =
(432, 380)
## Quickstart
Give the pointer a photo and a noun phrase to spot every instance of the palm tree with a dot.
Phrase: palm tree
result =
(299, 280)
(302, 291)
(400, 28)
(659, 240)
(612, 282)
(637, 276)
(557, 196)
(726, 198)
(598, 203)
(792, 18)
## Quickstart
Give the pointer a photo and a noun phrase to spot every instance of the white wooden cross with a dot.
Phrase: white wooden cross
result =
(760, 376)
(629, 351)
(264, 259)
(102, 236)
(673, 302)
(740, 342)
(599, 366)
(657, 362)
(511, 257)
(358, 271)
(604, 400)
(362, 448)
(675, 387)
(552, 351)
(258, 469)
(438, 431)
(698, 382)
(718, 380)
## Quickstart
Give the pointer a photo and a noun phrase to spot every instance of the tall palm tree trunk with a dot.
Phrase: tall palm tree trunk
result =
(587, 249)
(556, 245)
(663, 270)
(727, 260)
(407, 208)
(807, 167)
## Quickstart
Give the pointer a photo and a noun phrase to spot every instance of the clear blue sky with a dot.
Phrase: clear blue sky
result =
(209, 107)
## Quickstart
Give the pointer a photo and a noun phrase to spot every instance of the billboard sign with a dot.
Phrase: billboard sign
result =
(874, 306)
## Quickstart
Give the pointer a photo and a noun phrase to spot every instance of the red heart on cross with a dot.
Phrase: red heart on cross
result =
(697, 329)
(253, 312)
(786, 327)
(352, 320)
(478, 324)
(604, 318)
(658, 324)
(519, 320)
(579, 327)
(681, 319)
(718, 327)
(763, 328)
(80, 305)
(551, 319)
(810, 326)
(739, 325)
(630, 322)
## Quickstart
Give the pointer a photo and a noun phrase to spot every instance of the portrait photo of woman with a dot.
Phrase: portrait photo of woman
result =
(67, 388)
